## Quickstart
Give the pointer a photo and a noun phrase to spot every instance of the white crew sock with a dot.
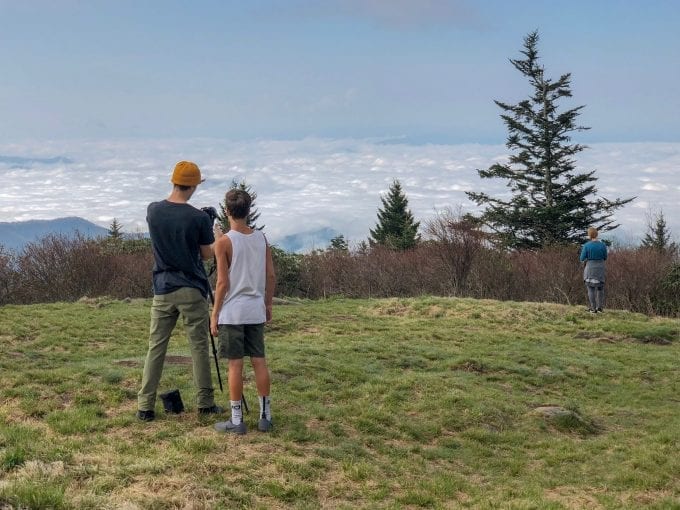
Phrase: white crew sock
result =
(265, 407)
(236, 412)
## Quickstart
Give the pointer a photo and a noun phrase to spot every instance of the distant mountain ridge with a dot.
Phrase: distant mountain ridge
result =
(22, 162)
(307, 241)
(16, 235)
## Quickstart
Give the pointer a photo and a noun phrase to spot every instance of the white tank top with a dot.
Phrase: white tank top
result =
(244, 303)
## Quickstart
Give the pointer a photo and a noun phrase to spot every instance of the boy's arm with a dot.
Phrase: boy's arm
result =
(222, 257)
(270, 284)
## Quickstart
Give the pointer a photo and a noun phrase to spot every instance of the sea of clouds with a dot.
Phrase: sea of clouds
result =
(308, 184)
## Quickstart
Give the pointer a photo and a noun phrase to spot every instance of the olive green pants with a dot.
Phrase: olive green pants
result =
(165, 310)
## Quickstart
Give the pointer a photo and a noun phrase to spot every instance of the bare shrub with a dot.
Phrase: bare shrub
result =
(131, 275)
(61, 268)
(457, 244)
(635, 279)
(552, 274)
(7, 275)
(58, 268)
(492, 276)
(379, 272)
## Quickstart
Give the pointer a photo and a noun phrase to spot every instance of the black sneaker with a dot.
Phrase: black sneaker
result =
(146, 415)
(210, 410)
(599, 310)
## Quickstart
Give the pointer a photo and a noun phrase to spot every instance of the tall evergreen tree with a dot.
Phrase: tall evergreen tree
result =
(550, 201)
(396, 227)
(658, 236)
(252, 216)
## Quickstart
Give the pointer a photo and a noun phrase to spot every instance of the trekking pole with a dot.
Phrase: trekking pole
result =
(212, 341)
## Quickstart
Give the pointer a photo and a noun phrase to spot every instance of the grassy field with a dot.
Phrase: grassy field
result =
(430, 402)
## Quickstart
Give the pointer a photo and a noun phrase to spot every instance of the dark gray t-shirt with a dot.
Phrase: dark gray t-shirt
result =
(177, 231)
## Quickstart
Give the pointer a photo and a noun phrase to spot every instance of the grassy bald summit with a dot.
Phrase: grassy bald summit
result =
(428, 402)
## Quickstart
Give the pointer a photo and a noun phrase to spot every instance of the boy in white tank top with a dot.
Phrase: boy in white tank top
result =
(243, 303)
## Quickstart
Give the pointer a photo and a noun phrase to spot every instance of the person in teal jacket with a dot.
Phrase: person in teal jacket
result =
(594, 254)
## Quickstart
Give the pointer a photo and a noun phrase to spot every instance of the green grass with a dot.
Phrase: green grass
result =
(402, 403)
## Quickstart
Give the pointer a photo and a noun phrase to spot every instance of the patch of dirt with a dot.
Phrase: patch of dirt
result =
(178, 360)
(393, 308)
(471, 366)
(655, 340)
(35, 469)
(552, 411)
(567, 420)
(132, 363)
(601, 337)
(281, 301)
(596, 336)
(169, 359)
(574, 497)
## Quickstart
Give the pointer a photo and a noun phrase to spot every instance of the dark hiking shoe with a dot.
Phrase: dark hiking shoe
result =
(210, 410)
(146, 415)
(265, 425)
(229, 428)
(599, 310)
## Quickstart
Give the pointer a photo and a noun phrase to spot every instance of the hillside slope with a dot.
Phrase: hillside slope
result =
(408, 403)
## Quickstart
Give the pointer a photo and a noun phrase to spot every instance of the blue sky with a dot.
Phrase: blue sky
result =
(321, 104)
(424, 70)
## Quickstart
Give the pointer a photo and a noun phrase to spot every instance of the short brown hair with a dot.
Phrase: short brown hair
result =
(238, 203)
(592, 233)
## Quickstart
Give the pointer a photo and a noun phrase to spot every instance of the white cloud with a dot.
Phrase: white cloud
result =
(308, 183)
(654, 186)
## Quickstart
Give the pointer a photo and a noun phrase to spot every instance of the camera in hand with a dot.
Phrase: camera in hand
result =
(211, 212)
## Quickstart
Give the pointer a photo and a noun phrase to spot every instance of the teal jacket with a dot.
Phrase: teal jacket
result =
(594, 250)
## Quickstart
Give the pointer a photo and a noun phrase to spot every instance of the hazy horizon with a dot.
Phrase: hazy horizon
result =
(307, 184)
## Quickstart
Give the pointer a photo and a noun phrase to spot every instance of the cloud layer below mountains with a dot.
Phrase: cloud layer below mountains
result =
(306, 184)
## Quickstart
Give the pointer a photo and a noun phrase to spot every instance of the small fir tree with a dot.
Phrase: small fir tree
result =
(550, 203)
(339, 244)
(396, 227)
(658, 237)
(115, 230)
(252, 216)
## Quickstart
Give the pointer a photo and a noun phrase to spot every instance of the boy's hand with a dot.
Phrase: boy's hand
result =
(269, 313)
(214, 330)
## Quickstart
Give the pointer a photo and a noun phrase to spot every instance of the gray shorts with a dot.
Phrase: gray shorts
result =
(238, 341)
